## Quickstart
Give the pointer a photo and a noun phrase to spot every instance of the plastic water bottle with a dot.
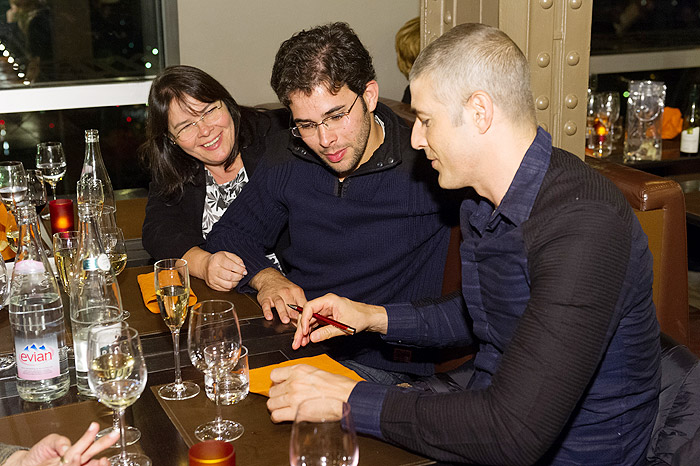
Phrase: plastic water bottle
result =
(36, 317)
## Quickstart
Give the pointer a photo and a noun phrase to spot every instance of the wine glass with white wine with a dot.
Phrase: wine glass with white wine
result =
(172, 284)
(117, 375)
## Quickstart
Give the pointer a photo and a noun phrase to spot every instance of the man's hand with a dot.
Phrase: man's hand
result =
(55, 450)
(358, 315)
(274, 290)
(294, 384)
(222, 270)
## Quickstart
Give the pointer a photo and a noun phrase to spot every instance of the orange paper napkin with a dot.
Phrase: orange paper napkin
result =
(260, 378)
(148, 292)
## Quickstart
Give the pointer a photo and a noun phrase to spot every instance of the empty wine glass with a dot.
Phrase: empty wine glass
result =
(323, 434)
(13, 184)
(172, 284)
(214, 344)
(51, 160)
(6, 361)
(117, 374)
(13, 192)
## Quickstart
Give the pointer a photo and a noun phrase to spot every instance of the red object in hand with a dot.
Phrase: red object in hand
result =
(61, 211)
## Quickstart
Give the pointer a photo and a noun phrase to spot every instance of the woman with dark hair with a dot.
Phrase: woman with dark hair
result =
(201, 147)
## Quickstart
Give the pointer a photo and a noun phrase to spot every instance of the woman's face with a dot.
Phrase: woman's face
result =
(212, 140)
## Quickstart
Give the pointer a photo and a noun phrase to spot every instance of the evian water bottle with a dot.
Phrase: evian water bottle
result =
(36, 317)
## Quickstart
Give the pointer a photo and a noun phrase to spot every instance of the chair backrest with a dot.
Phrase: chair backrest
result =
(660, 207)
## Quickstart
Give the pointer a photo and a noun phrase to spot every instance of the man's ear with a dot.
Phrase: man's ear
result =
(371, 95)
(481, 110)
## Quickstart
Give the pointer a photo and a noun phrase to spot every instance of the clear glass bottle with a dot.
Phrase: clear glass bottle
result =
(36, 317)
(94, 167)
(690, 136)
(96, 297)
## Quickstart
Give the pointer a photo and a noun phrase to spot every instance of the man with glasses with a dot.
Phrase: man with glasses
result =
(365, 214)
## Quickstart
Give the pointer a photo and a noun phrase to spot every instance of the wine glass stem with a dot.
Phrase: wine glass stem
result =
(122, 436)
(216, 399)
(53, 191)
(115, 421)
(176, 345)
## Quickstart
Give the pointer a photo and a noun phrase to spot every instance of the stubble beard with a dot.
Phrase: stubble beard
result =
(358, 146)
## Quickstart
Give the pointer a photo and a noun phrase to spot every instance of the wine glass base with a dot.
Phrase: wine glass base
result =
(131, 434)
(182, 391)
(132, 459)
(125, 314)
(226, 430)
(7, 362)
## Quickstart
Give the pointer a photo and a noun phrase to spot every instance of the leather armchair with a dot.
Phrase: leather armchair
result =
(660, 207)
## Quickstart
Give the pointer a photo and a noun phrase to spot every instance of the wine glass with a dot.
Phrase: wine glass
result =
(65, 253)
(51, 160)
(214, 344)
(7, 361)
(323, 433)
(36, 192)
(172, 283)
(115, 247)
(117, 374)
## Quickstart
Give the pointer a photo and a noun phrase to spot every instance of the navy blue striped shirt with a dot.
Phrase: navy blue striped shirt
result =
(557, 294)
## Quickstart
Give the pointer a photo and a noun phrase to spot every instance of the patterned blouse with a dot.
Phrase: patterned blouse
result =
(219, 197)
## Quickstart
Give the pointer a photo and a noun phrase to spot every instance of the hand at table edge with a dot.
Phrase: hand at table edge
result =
(293, 385)
(275, 290)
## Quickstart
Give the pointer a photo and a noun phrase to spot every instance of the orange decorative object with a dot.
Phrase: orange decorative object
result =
(671, 123)
(6, 220)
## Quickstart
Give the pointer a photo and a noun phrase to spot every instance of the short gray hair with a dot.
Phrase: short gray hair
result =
(475, 57)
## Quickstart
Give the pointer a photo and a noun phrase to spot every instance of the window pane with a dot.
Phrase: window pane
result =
(122, 130)
(624, 26)
(69, 41)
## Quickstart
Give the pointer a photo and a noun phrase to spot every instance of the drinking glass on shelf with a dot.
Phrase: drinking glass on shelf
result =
(214, 345)
(172, 284)
(117, 374)
(323, 433)
(115, 247)
(606, 110)
(51, 160)
(36, 192)
(6, 361)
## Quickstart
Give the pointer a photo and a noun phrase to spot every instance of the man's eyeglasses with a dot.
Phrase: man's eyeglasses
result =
(209, 117)
(331, 123)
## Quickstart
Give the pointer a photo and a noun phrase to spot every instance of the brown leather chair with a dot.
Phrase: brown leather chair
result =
(660, 207)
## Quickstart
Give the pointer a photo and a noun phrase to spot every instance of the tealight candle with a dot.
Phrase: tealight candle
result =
(212, 453)
(61, 211)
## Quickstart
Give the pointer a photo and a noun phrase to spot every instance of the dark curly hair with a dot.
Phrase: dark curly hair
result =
(171, 168)
(330, 55)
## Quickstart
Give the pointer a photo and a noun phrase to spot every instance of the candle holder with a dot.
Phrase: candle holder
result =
(212, 452)
(61, 212)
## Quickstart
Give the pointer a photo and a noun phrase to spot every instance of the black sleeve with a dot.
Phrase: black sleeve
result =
(170, 229)
(564, 330)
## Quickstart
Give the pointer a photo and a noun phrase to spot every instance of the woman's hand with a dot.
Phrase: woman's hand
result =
(56, 450)
(222, 270)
